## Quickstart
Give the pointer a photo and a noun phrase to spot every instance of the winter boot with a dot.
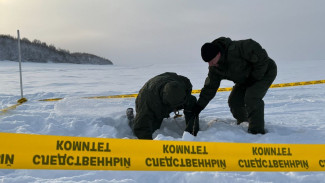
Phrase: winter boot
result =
(254, 132)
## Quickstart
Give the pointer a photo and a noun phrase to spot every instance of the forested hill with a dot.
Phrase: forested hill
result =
(37, 51)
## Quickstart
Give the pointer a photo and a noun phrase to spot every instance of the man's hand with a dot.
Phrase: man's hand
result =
(192, 125)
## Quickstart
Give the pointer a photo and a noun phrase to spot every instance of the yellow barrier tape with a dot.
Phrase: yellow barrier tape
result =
(19, 102)
(199, 91)
(114, 96)
(9, 108)
(51, 99)
(25, 151)
(297, 84)
(193, 92)
(281, 85)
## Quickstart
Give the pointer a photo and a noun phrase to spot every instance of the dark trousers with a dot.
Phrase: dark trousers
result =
(246, 102)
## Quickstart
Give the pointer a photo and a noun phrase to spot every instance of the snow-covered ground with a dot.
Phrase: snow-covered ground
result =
(293, 115)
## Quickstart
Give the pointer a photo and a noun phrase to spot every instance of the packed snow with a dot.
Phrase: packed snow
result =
(293, 115)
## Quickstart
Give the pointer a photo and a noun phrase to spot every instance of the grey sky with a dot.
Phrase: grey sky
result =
(168, 31)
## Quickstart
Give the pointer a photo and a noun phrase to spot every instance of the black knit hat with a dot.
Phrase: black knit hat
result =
(209, 51)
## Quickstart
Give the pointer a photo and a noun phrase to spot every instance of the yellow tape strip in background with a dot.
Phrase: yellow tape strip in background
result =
(19, 102)
(25, 151)
(199, 91)
(193, 92)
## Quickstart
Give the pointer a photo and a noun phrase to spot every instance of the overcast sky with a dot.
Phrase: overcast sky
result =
(168, 31)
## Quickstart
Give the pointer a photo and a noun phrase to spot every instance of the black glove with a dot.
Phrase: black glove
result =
(192, 119)
(192, 125)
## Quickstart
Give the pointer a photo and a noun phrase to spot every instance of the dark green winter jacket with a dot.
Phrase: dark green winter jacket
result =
(155, 103)
(241, 62)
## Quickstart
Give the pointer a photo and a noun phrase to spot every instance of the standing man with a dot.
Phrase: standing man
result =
(245, 63)
(161, 95)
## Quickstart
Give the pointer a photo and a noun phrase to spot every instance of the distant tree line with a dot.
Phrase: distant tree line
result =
(37, 51)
